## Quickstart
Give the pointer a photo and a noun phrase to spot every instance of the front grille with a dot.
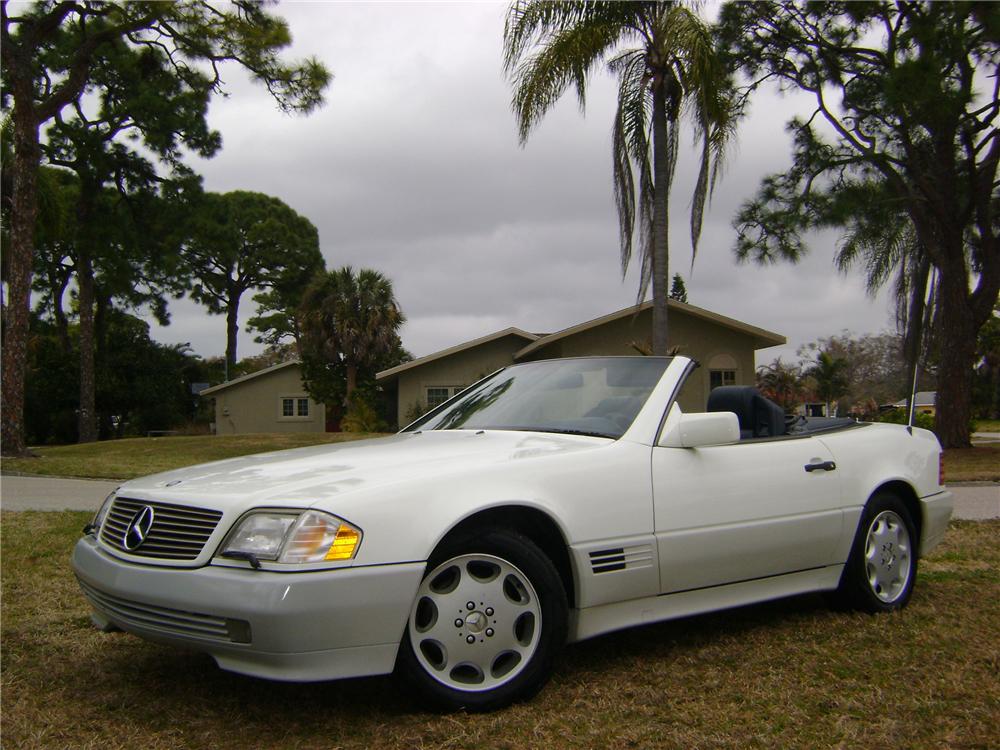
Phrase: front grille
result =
(174, 621)
(178, 532)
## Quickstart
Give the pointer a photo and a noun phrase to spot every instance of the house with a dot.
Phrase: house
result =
(925, 402)
(725, 347)
(269, 400)
(274, 399)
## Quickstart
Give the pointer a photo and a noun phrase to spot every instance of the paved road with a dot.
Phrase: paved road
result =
(45, 493)
(975, 501)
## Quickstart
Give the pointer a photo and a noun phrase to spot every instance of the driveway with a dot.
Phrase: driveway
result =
(975, 501)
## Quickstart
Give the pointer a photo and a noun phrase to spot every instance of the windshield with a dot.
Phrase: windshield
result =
(589, 396)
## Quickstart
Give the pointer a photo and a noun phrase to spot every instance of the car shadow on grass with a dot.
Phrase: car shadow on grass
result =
(692, 633)
(145, 680)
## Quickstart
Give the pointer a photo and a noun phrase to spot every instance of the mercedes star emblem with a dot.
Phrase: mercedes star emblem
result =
(138, 529)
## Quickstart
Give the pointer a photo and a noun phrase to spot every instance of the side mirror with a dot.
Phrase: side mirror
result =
(697, 430)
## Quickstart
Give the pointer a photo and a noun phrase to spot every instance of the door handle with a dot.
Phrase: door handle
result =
(821, 466)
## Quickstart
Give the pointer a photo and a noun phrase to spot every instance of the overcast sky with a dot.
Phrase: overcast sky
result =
(413, 168)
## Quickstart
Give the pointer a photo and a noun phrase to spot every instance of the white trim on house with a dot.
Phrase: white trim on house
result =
(296, 415)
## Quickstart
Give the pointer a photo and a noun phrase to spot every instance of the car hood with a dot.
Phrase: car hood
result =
(304, 476)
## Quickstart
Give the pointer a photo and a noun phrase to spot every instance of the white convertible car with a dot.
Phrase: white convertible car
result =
(550, 502)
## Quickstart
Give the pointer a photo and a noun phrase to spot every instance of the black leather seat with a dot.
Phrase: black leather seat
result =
(758, 416)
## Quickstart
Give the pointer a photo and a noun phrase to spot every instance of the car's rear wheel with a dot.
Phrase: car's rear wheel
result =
(882, 568)
(487, 621)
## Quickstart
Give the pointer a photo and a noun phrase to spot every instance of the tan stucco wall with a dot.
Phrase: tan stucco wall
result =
(255, 405)
(697, 338)
(460, 369)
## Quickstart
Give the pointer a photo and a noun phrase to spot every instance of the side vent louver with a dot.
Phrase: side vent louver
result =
(621, 558)
(606, 560)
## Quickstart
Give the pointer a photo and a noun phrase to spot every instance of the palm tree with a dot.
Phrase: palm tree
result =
(781, 383)
(351, 319)
(663, 57)
(830, 375)
(883, 240)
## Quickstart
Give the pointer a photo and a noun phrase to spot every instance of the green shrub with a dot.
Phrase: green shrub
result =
(899, 416)
(925, 421)
(362, 417)
(415, 412)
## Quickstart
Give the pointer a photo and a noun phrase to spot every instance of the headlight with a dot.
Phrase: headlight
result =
(94, 527)
(308, 537)
(260, 534)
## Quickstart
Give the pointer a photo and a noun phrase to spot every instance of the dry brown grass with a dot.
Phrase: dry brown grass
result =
(785, 674)
(981, 462)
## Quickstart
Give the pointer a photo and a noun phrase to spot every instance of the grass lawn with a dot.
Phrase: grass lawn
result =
(786, 674)
(988, 425)
(136, 457)
(981, 462)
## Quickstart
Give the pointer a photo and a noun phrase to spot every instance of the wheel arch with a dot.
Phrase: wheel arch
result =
(531, 522)
(905, 492)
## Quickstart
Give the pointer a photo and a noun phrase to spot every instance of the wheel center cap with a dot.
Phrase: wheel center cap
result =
(475, 621)
(888, 555)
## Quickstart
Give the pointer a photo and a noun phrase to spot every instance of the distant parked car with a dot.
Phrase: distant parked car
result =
(550, 502)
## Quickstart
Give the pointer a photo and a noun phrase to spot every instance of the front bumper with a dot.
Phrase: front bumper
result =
(936, 510)
(304, 626)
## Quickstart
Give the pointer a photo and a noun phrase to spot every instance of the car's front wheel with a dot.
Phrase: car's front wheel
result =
(882, 568)
(487, 621)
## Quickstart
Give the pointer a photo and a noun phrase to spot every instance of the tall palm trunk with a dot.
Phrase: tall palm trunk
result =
(87, 417)
(59, 313)
(102, 308)
(232, 331)
(19, 259)
(86, 249)
(660, 239)
(352, 382)
(958, 351)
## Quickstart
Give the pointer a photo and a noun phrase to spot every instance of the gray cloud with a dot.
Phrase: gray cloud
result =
(414, 168)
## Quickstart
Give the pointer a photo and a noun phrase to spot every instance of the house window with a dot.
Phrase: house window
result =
(293, 407)
(717, 378)
(438, 394)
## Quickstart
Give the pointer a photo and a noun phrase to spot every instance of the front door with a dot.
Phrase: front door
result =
(731, 513)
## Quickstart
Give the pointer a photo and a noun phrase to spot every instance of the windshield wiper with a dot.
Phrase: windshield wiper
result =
(548, 430)
(567, 431)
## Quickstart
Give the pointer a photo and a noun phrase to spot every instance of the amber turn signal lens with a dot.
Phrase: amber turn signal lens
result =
(344, 544)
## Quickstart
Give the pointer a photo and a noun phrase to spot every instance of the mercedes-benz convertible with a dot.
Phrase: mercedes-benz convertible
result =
(550, 502)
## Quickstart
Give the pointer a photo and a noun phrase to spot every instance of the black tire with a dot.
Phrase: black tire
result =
(501, 649)
(882, 566)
